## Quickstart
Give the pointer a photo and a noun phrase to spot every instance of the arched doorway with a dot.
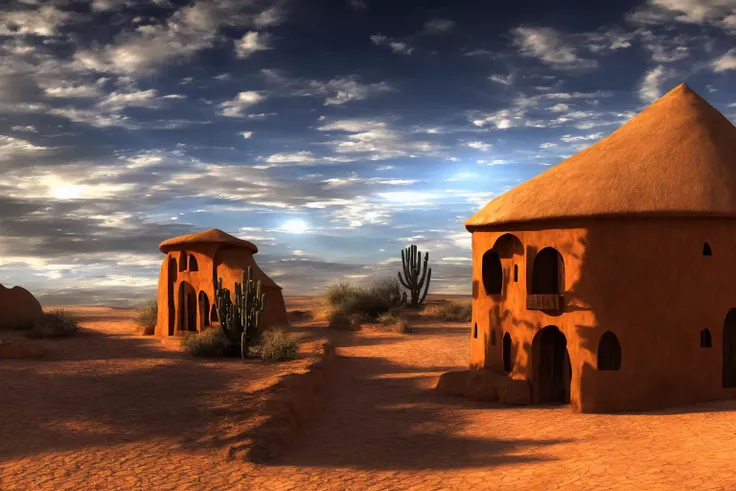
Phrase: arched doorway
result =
(187, 307)
(204, 311)
(170, 295)
(507, 361)
(548, 273)
(729, 350)
(553, 370)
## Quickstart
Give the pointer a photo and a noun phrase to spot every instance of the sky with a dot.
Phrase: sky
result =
(332, 134)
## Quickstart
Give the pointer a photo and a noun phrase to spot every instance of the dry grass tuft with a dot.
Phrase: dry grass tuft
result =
(55, 324)
(453, 311)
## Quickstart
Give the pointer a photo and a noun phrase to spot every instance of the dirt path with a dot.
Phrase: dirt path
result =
(125, 413)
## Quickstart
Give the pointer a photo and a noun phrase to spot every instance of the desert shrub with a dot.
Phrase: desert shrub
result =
(402, 325)
(338, 293)
(450, 311)
(278, 344)
(147, 316)
(54, 324)
(210, 342)
(388, 318)
(365, 306)
(388, 290)
(302, 314)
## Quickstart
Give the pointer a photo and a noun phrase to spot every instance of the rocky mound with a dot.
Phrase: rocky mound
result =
(18, 308)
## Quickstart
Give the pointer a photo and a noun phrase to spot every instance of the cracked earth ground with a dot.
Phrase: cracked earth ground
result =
(111, 410)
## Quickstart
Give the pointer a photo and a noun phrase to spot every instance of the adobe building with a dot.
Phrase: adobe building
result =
(186, 289)
(19, 307)
(609, 281)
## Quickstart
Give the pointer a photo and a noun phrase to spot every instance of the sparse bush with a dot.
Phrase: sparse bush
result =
(55, 324)
(302, 314)
(388, 290)
(388, 318)
(450, 311)
(338, 293)
(210, 342)
(147, 316)
(402, 326)
(278, 344)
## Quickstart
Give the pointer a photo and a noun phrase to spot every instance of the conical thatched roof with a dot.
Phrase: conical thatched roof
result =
(211, 236)
(675, 158)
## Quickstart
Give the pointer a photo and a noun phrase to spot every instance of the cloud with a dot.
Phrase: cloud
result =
(557, 108)
(650, 88)
(483, 147)
(244, 100)
(725, 62)
(547, 45)
(250, 43)
(336, 91)
(43, 21)
(569, 138)
(247, 134)
(292, 158)
(438, 26)
(66, 90)
(396, 46)
(27, 128)
(719, 13)
(187, 31)
(500, 79)
(358, 4)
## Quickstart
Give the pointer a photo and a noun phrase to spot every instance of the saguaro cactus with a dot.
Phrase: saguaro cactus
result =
(241, 320)
(411, 261)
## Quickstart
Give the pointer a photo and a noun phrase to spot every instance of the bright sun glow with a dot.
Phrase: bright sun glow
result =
(294, 226)
(69, 191)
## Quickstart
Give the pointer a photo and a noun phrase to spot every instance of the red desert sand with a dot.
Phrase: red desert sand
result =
(112, 410)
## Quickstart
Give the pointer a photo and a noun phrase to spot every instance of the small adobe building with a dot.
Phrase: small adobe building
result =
(19, 307)
(609, 281)
(186, 285)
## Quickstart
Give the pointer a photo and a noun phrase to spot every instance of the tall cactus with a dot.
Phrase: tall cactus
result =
(241, 320)
(411, 262)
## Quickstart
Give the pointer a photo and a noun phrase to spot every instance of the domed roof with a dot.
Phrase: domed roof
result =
(211, 236)
(675, 158)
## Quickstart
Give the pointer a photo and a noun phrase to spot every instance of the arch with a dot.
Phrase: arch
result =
(187, 308)
(204, 310)
(729, 350)
(548, 272)
(707, 250)
(193, 266)
(170, 294)
(475, 330)
(516, 273)
(507, 245)
(553, 372)
(609, 352)
(213, 315)
(492, 272)
(705, 339)
(182, 261)
(507, 361)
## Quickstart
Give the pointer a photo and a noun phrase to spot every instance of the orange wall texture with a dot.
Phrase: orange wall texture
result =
(644, 279)
(229, 264)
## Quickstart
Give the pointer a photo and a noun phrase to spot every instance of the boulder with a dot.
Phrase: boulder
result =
(513, 392)
(20, 349)
(482, 386)
(454, 383)
(19, 308)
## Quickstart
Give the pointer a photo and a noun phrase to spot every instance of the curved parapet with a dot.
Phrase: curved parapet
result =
(18, 308)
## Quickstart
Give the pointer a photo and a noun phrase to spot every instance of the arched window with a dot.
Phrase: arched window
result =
(705, 339)
(492, 272)
(475, 330)
(507, 352)
(193, 266)
(707, 250)
(182, 261)
(516, 273)
(548, 274)
(204, 308)
(609, 352)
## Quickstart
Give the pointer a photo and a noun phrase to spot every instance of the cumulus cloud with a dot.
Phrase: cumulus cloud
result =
(396, 46)
(336, 91)
(548, 46)
(477, 145)
(725, 62)
(250, 43)
(242, 101)
(720, 13)
(43, 21)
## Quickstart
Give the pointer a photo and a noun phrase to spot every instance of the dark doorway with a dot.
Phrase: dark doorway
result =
(204, 311)
(187, 307)
(609, 352)
(507, 361)
(729, 350)
(213, 316)
(492, 272)
(553, 372)
(170, 296)
(707, 250)
(548, 272)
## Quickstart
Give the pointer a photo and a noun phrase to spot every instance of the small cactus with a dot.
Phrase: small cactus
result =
(413, 281)
(241, 320)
